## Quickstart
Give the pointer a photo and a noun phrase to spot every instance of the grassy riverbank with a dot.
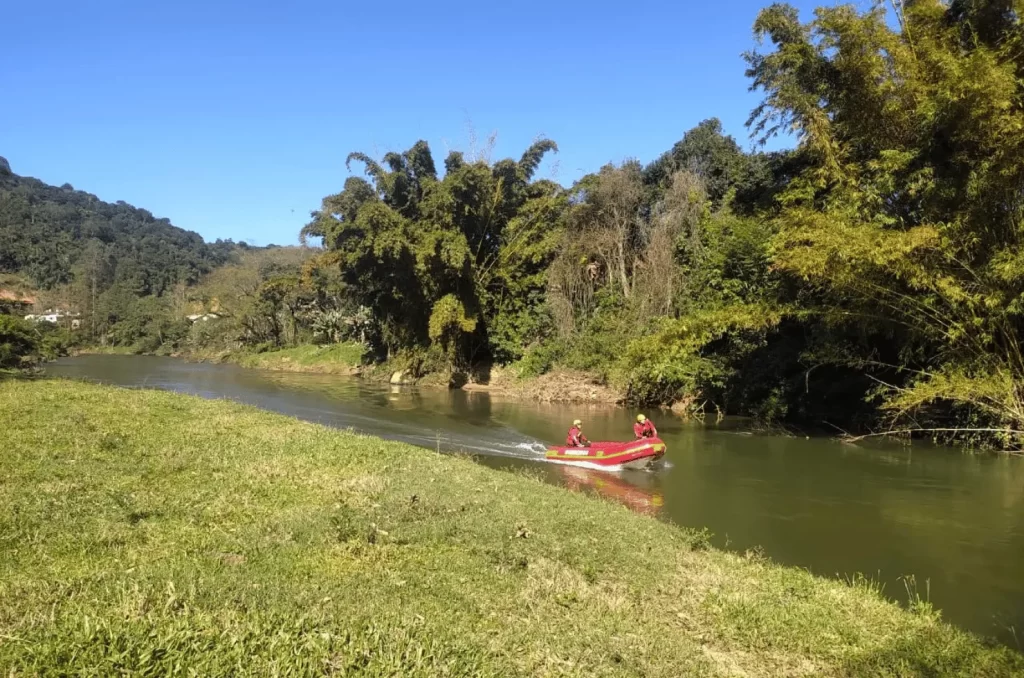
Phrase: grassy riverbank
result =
(555, 386)
(143, 531)
(333, 359)
(104, 350)
(343, 358)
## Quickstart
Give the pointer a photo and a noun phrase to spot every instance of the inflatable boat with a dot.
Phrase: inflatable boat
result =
(638, 454)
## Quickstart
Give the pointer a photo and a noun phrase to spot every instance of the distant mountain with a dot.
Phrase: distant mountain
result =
(51, 234)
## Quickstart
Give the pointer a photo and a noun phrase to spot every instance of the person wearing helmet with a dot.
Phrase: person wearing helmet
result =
(644, 428)
(576, 437)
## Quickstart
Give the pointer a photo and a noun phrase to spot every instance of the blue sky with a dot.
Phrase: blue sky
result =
(234, 119)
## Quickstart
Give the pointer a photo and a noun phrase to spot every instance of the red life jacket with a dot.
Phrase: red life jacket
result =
(645, 429)
(573, 439)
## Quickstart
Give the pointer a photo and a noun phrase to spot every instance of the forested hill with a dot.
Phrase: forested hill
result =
(125, 272)
(52, 235)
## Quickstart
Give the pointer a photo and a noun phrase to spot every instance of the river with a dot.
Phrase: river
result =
(953, 520)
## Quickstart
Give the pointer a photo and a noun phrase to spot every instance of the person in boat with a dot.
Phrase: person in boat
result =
(576, 437)
(644, 428)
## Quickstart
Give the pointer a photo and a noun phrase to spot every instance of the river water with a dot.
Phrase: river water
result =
(952, 520)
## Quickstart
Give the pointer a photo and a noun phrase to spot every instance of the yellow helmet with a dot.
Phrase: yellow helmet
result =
(577, 422)
(641, 418)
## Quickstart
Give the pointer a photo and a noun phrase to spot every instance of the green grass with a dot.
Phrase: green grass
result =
(148, 533)
(336, 358)
(105, 350)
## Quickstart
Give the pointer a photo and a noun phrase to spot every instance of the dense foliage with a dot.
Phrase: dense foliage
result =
(278, 296)
(456, 262)
(906, 223)
(24, 344)
(18, 344)
(488, 264)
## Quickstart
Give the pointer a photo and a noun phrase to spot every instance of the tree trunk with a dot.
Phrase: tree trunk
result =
(92, 309)
(621, 265)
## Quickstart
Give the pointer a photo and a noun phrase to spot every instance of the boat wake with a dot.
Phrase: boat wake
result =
(535, 448)
(513, 445)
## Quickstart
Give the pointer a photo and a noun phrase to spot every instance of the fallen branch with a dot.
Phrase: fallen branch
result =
(846, 434)
(853, 439)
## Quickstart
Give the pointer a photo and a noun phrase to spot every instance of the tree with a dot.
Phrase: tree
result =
(410, 244)
(907, 217)
(19, 343)
(448, 325)
(707, 153)
(610, 218)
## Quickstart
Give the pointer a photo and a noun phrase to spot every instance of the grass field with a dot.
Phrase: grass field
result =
(333, 359)
(147, 533)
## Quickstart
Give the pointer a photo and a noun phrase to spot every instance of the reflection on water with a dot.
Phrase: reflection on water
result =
(611, 486)
(951, 519)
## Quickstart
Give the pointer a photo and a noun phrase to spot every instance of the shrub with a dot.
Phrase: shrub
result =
(54, 342)
(678, 360)
(19, 342)
(539, 359)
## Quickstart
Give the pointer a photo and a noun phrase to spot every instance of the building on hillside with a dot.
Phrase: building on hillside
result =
(57, 317)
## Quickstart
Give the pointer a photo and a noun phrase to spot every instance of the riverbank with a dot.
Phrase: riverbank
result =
(334, 359)
(556, 386)
(145, 530)
(103, 350)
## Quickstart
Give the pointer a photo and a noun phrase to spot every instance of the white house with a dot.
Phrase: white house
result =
(55, 316)
(47, 317)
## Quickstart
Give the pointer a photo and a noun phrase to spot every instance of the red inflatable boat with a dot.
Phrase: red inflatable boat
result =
(636, 454)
